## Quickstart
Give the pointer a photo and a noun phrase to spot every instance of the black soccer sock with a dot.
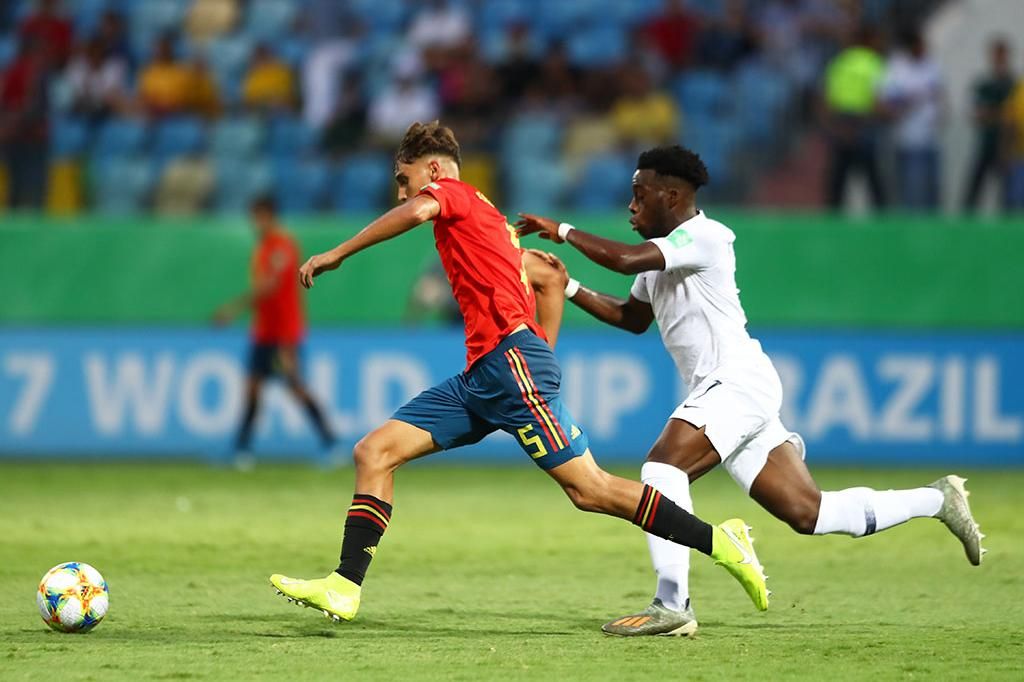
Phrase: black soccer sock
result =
(245, 430)
(316, 415)
(367, 520)
(662, 517)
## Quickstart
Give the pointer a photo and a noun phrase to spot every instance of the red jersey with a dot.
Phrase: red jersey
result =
(278, 316)
(480, 254)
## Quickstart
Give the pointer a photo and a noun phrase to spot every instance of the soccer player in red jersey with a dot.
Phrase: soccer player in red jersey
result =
(511, 382)
(278, 327)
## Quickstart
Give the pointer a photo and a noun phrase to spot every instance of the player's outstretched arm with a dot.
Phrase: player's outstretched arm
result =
(630, 314)
(402, 218)
(628, 259)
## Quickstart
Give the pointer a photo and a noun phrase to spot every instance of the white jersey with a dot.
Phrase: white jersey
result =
(696, 301)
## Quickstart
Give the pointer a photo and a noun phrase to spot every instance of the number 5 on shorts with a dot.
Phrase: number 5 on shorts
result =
(532, 441)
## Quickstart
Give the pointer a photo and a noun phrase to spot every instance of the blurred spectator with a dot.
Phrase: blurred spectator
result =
(990, 94)
(346, 128)
(1013, 114)
(47, 27)
(165, 84)
(403, 102)
(518, 66)
(912, 96)
(204, 98)
(726, 40)
(559, 79)
(24, 125)
(207, 19)
(185, 187)
(115, 40)
(852, 79)
(642, 116)
(673, 34)
(269, 84)
(473, 107)
(439, 25)
(335, 47)
(98, 83)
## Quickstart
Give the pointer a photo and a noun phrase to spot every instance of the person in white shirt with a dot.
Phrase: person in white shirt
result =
(685, 280)
(911, 94)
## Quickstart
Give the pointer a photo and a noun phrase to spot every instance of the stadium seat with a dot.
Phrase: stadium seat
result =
(68, 137)
(557, 19)
(8, 48)
(122, 185)
(531, 135)
(119, 138)
(270, 19)
(177, 137)
(762, 99)
(301, 186)
(236, 137)
(598, 46)
(604, 183)
(86, 14)
(289, 138)
(362, 183)
(228, 56)
(386, 16)
(498, 14)
(239, 181)
(535, 185)
(716, 141)
(703, 92)
(150, 18)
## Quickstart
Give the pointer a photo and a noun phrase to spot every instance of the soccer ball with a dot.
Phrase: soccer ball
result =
(72, 597)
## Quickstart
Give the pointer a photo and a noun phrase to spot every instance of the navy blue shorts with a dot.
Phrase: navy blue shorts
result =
(265, 360)
(513, 388)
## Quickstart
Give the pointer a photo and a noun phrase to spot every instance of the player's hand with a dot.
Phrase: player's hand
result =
(322, 262)
(535, 224)
(552, 260)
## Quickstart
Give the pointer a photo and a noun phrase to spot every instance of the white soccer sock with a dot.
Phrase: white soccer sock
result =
(863, 511)
(671, 561)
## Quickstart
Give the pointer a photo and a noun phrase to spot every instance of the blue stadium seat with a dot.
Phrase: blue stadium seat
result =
(8, 48)
(716, 141)
(270, 19)
(497, 14)
(597, 46)
(238, 138)
(119, 138)
(122, 185)
(293, 50)
(535, 185)
(68, 137)
(301, 185)
(555, 20)
(703, 92)
(177, 137)
(381, 15)
(531, 135)
(239, 181)
(289, 138)
(604, 183)
(763, 96)
(362, 183)
(150, 18)
(86, 14)
(228, 56)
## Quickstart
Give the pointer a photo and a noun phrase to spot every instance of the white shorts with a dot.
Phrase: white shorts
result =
(738, 406)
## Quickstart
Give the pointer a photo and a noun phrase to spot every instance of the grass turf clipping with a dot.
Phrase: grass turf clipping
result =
(485, 573)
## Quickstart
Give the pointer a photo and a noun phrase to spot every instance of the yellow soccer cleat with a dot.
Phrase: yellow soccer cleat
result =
(733, 549)
(336, 597)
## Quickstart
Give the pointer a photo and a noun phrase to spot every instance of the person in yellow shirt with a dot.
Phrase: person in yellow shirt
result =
(643, 116)
(204, 94)
(165, 84)
(269, 83)
(1013, 152)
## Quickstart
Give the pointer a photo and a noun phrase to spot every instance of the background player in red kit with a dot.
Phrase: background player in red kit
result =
(511, 382)
(278, 324)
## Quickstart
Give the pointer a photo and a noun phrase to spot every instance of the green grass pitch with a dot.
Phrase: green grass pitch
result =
(485, 573)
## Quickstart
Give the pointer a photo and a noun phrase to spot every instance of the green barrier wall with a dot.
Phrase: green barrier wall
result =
(794, 270)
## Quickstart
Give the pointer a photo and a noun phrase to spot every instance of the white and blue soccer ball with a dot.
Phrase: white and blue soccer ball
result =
(72, 597)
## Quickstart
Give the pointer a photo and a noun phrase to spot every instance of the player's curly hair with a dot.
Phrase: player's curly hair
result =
(677, 162)
(423, 139)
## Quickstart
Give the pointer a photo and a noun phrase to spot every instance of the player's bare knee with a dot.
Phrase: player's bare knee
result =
(371, 455)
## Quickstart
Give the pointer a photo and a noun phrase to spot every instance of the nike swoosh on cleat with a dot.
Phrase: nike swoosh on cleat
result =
(747, 559)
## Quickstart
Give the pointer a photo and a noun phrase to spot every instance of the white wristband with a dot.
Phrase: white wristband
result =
(572, 287)
(564, 229)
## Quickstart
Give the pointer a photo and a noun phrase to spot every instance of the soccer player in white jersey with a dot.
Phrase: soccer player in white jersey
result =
(685, 279)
